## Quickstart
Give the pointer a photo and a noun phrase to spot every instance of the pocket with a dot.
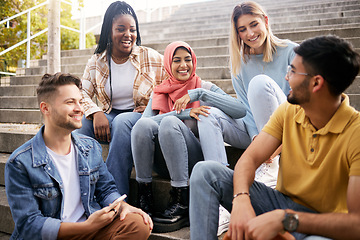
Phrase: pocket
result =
(46, 193)
(49, 200)
(94, 177)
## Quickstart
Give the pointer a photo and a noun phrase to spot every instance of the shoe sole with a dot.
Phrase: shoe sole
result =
(165, 227)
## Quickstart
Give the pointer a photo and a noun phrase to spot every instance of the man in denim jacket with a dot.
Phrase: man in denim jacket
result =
(57, 184)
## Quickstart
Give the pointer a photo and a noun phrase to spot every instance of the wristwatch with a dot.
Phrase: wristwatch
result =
(291, 221)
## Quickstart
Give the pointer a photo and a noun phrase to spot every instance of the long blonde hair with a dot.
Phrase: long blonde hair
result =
(238, 49)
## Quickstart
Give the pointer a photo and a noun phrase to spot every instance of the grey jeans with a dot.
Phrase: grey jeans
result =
(172, 142)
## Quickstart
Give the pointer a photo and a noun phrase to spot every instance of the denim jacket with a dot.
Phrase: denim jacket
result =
(34, 187)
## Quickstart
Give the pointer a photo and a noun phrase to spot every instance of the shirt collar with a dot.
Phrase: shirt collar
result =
(336, 124)
(40, 156)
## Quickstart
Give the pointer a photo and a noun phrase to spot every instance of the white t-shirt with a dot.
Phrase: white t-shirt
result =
(122, 82)
(67, 167)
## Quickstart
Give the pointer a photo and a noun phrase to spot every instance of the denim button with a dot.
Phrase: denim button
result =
(312, 150)
(315, 135)
(49, 195)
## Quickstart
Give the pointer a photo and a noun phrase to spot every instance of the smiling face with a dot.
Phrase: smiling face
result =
(123, 35)
(252, 30)
(299, 84)
(66, 110)
(181, 65)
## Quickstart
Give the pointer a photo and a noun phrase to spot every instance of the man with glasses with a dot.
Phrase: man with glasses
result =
(318, 187)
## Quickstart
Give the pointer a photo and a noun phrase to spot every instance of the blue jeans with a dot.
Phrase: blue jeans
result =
(170, 147)
(211, 184)
(264, 96)
(119, 160)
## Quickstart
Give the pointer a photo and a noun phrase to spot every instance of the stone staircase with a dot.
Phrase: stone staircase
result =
(205, 26)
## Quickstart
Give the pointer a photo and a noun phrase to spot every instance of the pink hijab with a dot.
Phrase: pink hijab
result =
(172, 89)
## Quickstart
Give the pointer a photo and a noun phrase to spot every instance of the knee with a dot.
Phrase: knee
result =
(134, 227)
(144, 127)
(202, 172)
(259, 84)
(214, 114)
(125, 121)
(169, 124)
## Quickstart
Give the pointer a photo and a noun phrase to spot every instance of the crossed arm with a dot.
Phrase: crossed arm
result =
(245, 225)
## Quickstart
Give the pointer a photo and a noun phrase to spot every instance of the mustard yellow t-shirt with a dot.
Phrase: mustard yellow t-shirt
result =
(315, 165)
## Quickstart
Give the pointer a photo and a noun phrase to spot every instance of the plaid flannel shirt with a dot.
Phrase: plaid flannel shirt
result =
(150, 72)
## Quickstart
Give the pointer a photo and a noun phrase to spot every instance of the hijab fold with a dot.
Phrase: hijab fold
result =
(171, 89)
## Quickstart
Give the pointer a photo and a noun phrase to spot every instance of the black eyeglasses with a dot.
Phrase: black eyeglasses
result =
(290, 72)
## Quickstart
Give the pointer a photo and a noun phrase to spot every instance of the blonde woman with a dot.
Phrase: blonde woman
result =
(259, 62)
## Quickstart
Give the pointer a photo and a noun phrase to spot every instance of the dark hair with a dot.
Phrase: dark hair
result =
(50, 82)
(332, 58)
(115, 9)
(182, 47)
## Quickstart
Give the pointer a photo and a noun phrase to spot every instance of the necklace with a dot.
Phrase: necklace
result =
(120, 60)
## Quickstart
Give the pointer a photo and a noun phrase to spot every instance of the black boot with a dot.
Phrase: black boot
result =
(145, 197)
(176, 215)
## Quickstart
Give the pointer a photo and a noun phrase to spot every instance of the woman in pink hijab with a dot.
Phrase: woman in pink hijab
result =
(165, 139)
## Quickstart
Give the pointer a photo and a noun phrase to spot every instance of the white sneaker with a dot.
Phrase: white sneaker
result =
(267, 173)
(224, 220)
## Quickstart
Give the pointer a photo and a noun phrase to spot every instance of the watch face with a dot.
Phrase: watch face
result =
(290, 222)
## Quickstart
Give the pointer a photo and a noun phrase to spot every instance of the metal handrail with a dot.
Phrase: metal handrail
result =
(23, 12)
(82, 31)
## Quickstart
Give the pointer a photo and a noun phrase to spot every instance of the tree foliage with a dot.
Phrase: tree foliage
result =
(16, 31)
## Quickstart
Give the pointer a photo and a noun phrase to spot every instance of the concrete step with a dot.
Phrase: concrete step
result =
(20, 102)
(21, 90)
(213, 61)
(346, 31)
(81, 59)
(75, 52)
(20, 116)
(224, 84)
(3, 158)
(77, 68)
(33, 79)
(6, 222)
(275, 10)
(278, 7)
(38, 62)
(20, 80)
(13, 136)
(4, 236)
(205, 50)
(349, 31)
(221, 30)
(221, 72)
(277, 23)
(354, 87)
